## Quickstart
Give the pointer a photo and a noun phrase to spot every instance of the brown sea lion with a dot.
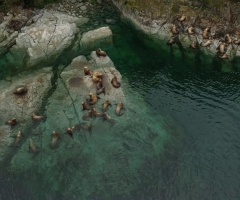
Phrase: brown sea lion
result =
(12, 122)
(174, 30)
(70, 130)
(102, 90)
(182, 18)
(105, 105)
(171, 41)
(37, 117)
(221, 47)
(99, 84)
(32, 147)
(97, 76)
(86, 106)
(205, 33)
(96, 114)
(207, 43)
(99, 53)
(119, 108)
(55, 137)
(87, 115)
(87, 71)
(93, 98)
(228, 39)
(190, 30)
(115, 82)
(236, 41)
(105, 116)
(193, 45)
(85, 126)
(223, 56)
(21, 90)
(18, 138)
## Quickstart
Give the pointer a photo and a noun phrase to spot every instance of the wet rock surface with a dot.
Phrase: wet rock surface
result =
(158, 27)
(21, 106)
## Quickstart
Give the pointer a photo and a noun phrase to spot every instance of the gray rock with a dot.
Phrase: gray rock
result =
(73, 1)
(99, 1)
(101, 62)
(83, 8)
(92, 40)
(48, 36)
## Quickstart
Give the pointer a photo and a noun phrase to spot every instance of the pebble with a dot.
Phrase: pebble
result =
(83, 8)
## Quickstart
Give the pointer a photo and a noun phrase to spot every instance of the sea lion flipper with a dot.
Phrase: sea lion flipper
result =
(98, 97)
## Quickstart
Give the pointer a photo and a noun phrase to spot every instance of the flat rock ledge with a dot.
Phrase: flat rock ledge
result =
(64, 109)
(20, 106)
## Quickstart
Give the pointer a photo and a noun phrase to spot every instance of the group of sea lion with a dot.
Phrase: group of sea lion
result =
(88, 105)
(206, 35)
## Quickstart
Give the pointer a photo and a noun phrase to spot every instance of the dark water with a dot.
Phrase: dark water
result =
(187, 144)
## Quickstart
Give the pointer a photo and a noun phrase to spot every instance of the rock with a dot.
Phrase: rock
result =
(51, 33)
(83, 8)
(101, 62)
(92, 40)
(99, 1)
(7, 42)
(73, 1)
(110, 21)
(21, 106)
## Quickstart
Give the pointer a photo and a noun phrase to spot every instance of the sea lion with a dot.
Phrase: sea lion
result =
(85, 126)
(55, 137)
(99, 84)
(21, 90)
(208, 43)
(221, 47)
(119, 108)
(87, 115)
(97, 76)
(37, 117)
(171, 41)
(174, 30)
(182, 18)
(99, 53)
(223, 56)
(105, 105)
(105, 116)
(100, 91)
(205, 33)
(93, 98)
(32, 147)
(87, 71)
(70, 130)
(95, 113)
(115, 82)
(236, 41)
(190, 30)
(227, 39)
(12, 122)
(86, 106)
(193, 45)
(18, 138)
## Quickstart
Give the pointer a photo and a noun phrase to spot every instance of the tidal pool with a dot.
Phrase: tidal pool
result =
(178, 138)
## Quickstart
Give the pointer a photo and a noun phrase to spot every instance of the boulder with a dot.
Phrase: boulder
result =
(48, 37)
(94, 39)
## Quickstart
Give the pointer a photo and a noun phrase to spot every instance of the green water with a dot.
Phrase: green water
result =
(178, 138)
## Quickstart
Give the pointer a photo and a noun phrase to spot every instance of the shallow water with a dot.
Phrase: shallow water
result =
(178, 138)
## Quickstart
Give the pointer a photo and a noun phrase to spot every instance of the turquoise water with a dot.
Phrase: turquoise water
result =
(178, 138)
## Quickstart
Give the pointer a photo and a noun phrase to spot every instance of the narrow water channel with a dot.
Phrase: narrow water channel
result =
(180, 140)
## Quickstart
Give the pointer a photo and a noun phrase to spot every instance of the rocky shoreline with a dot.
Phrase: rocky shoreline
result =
(160, 29)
